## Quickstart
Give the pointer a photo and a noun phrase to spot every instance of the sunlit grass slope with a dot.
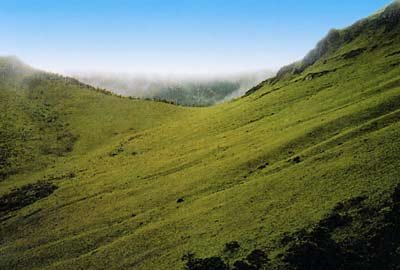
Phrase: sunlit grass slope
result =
(45, 116)
(273, 162)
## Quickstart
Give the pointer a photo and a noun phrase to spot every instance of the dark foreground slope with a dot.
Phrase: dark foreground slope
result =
(302, 173)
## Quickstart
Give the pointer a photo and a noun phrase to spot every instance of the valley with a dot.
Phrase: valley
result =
(292, 168)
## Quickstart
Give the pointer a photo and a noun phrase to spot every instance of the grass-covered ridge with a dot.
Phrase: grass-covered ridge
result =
(140, 183)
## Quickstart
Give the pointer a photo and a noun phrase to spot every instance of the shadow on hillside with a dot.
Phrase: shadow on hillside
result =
(25, 195)
(355, 235)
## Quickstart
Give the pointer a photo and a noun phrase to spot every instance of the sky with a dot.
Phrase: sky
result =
(170, 36)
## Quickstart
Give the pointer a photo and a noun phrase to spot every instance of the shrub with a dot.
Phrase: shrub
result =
(211, 263)
(372, 241)
(231, 247)
(258, 258)
(242, 265)
(25, 195)
(180, 200)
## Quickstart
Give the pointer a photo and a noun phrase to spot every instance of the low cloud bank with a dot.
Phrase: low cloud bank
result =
(194, 90)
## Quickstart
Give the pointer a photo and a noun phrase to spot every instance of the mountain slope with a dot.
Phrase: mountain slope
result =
(305, 166)
(44, 114)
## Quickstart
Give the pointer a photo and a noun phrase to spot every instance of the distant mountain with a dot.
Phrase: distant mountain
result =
(189, 91)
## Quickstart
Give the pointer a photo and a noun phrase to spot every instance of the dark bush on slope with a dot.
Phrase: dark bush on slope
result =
(231, 247)
(211, 263)
(255, 260)
(25, 195)
(372, 238)
(354, 235)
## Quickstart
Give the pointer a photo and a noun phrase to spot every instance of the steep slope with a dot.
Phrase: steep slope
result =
(305, 166)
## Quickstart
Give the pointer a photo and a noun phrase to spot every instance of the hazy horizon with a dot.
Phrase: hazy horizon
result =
(212, 88)
(186, 38)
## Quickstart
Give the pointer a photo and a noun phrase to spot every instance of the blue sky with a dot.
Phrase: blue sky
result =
(170, 36)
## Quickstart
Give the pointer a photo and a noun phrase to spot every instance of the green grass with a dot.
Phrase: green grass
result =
(133, 159)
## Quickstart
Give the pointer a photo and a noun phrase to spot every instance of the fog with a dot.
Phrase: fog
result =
(193, 89)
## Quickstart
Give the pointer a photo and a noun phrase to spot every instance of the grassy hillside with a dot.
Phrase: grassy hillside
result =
(304, 169)
(46, 116)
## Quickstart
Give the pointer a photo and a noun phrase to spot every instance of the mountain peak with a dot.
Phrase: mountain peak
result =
(387, 19)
